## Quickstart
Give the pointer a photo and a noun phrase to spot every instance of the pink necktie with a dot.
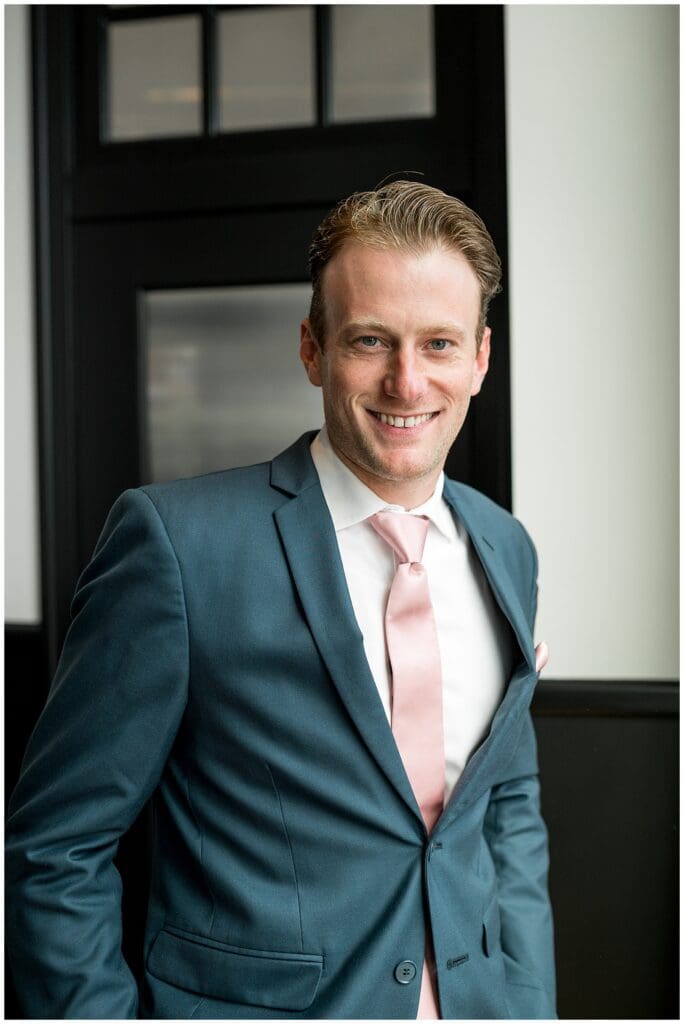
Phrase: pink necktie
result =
(413, 649)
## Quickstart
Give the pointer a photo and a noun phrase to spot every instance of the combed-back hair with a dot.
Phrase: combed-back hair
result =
(411, 217)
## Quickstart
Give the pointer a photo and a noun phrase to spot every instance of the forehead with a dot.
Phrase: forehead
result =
(364, 278)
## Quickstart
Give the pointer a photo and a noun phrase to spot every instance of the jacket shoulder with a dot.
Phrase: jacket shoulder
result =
(489, 514)
(243, 480)
(192, 510)
(224, 496)
(499, 528)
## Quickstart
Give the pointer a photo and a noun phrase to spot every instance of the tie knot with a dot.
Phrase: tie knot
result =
(404, 533)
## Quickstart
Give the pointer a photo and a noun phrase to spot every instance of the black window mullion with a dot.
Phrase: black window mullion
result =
(323, 60)
(210, 107)
(102, 95)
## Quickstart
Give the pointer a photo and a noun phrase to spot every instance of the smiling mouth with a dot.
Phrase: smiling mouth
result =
(403, 421)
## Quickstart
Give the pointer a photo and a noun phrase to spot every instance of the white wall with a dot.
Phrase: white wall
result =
(592, 150)
(22, 552)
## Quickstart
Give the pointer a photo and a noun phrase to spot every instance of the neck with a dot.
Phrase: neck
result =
(407, 494)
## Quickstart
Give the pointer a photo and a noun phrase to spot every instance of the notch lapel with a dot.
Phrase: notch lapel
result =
(310, 545)
(485, 546)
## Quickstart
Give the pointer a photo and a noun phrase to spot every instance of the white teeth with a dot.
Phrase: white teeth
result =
(401, 421)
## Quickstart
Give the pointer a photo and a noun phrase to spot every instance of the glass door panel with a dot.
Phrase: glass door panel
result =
(266, 68)
(382, 62)
(223, 385)
(154, 78)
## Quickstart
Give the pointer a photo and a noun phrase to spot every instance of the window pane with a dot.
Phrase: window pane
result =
(383, 65)
(266, 68)
(224, 384)
(154, 78)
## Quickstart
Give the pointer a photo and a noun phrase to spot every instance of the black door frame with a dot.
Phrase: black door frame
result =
(81, 182)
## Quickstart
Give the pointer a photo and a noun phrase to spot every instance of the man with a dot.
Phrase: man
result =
(327, 697)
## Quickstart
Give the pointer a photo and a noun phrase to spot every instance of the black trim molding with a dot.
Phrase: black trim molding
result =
(616, 698)
(27, 680)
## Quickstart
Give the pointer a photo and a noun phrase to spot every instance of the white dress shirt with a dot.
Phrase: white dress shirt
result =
(475, 641)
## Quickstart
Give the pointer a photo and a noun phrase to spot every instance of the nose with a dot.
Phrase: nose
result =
(404, 379)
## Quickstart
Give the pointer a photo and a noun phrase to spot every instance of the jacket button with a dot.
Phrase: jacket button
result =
(405, 972)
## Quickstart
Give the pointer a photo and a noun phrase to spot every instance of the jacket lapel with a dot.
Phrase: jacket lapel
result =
(503, 730)
(310, 545)
(311, 550)
(499, 580)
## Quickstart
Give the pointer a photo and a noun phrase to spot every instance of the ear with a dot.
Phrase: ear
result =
(481, 362)
(310, 353)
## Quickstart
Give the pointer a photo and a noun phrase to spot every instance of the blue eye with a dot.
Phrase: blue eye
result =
(369, 341)
(438, 344)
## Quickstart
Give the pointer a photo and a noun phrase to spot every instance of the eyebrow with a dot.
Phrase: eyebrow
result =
(447, 328)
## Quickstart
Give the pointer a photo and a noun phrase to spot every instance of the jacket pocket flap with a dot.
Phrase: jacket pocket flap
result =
(284, 981)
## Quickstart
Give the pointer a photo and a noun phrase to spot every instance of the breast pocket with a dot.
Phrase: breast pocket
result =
(253, 977)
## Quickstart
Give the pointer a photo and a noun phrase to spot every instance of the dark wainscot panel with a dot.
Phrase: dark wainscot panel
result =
(608, 756)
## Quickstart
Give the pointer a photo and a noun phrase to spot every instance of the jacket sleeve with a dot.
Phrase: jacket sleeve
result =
(93, 760)
(518, 841)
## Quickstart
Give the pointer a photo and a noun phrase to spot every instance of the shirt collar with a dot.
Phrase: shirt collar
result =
(350, 501)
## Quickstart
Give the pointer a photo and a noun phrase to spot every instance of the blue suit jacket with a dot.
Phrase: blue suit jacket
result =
(214, 662)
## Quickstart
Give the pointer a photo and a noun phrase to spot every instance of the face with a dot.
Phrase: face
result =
(400, 363)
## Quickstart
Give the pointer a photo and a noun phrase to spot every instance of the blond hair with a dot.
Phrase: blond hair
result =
(410, 217)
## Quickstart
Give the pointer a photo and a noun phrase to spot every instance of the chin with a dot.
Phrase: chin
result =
(405, 471)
